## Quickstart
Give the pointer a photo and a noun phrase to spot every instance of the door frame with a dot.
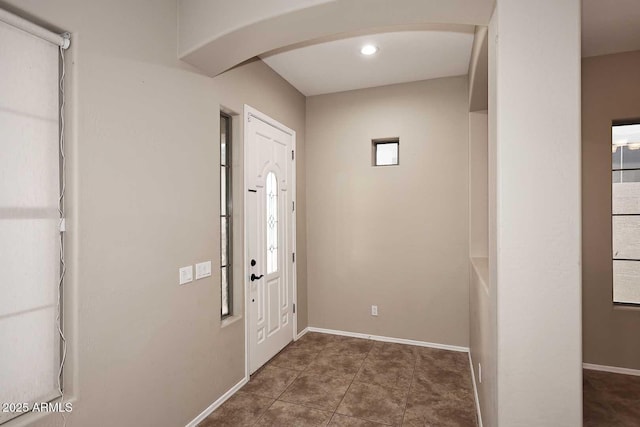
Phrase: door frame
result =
(247, 114)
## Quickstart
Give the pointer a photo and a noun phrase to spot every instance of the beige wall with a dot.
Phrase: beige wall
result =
(610, 91)
(395, 236)
(482, 339)
(478, 182)
(143, 201)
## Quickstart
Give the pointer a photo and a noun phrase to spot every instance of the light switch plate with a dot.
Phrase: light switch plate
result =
(186, 275)
(203, 269)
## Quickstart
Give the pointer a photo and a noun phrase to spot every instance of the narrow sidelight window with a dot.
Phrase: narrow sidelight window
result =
(386, 152)
(225, 214)
(272, 223)
(625, 209)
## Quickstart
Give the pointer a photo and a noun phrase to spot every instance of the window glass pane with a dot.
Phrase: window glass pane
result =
(616, 157)
(226, 250)
(626, 237)
(630, 176)
(626, 198)
(223, 190)
(626, 282)
(223, 240)
(626, 136)
(386, 154)
(616, 176)
(272, 223)
(225, 291)
(631, 156)
(223, 140)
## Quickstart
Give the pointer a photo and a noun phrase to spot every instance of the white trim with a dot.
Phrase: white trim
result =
(215, 405)
(248, 112)
(294, 232)
(390, 339)
(15, 21)
(475, 391)
(302, 333)
(612, 369)
(245, 267)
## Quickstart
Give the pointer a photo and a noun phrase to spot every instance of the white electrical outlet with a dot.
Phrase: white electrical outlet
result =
(480, 373)
(186, 274)
(374, 310)
(203, 269)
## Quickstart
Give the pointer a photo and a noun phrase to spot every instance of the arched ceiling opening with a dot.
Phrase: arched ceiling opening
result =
(402, 56)
(216, 35)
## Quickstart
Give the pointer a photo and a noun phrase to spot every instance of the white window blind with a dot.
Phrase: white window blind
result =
(30, 188)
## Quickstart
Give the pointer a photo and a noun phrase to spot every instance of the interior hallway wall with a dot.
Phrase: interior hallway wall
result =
(143, 156)
(482, 339)
(394, 236)
(610, 91)
(534, 211)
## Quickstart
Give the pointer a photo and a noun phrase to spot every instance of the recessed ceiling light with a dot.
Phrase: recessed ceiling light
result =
(368, 49)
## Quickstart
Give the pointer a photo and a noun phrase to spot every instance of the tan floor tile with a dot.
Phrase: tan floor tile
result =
(610, 399)
(434, 358)
(282, 414)
(345, 421)
(374, 402)
(392, 384)
(270, 381)
(394, 352)
(336, 365)
(618, 385)
(348, 345)
(425, 409)
(390, 373)
(313, 341)
(320, 392)
(240, 410)
(453, 384)
(294, 358)
(597, 412)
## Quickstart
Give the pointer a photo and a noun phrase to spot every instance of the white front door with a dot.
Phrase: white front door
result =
(270, 235)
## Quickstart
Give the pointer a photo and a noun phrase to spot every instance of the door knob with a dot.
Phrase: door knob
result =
(254, 277)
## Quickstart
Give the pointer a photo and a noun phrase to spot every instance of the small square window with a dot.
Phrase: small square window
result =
(386, 152)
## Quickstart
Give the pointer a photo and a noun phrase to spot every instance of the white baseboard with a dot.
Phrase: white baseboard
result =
(197, 420)
(475, 391)
(612, 369)
(302, 333)
(389, 339)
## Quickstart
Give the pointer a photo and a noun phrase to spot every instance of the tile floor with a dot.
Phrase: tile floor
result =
(340, 381)
(610, 400)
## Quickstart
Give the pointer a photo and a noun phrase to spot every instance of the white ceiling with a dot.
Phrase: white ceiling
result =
(406, 56)
(610, 26)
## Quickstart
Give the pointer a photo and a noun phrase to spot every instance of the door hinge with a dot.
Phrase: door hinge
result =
(293, 206)
(294, 257)
(293, 156)
(294, 309)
